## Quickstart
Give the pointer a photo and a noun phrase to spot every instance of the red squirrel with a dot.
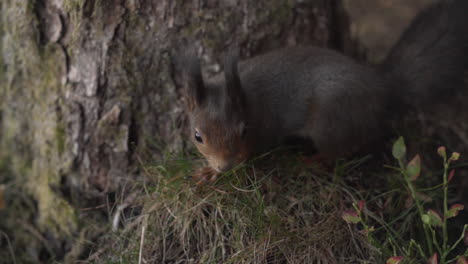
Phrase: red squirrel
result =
(321, 95)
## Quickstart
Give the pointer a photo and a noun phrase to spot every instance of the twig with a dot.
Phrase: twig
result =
(9, 246)
(143, 228)
(120, 208)
(93, 208)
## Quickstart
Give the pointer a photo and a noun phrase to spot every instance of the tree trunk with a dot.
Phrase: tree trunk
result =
(88, 91)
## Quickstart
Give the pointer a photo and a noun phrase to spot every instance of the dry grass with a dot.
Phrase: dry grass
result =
(286, 214)
(276, 209)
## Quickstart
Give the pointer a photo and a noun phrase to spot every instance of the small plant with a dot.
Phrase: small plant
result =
(434, 247)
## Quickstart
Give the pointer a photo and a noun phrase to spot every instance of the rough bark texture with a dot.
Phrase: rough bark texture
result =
(87, 86)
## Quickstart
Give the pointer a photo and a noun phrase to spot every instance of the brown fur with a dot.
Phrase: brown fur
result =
(222, 152)
(321, 95)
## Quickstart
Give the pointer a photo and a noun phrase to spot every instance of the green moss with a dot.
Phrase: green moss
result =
(74, 9)
(60, 138)
(71, 6)
(34, 135)
(2, 65)
(282, 12)
(56, 215)
(275, 15)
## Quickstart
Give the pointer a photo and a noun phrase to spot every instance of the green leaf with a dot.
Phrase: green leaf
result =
(442, 152)
(351, 217)
(455, 156)
(426, 219)
(399, 148)
(462, 260)
(395, 260)
(434, 218)
(454, 210)
(413, 169)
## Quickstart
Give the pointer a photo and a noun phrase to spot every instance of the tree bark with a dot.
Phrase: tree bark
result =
(88, 90)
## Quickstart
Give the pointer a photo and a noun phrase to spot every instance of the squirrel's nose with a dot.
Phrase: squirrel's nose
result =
(224, 167)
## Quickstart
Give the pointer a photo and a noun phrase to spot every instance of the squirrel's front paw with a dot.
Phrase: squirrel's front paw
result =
(205, 175)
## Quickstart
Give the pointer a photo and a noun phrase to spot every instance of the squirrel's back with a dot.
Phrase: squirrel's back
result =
(309, 92)
(324, 96)
(431, 56)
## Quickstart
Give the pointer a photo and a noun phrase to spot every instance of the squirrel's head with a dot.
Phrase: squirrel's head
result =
(217, 112)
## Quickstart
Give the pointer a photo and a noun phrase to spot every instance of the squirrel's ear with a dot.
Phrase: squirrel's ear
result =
(234, 94)
(193, 81)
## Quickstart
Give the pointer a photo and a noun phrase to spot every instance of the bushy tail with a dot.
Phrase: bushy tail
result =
(432, 55)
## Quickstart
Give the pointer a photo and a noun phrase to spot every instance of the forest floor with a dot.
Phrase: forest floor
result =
(280, 208)
(283, 208)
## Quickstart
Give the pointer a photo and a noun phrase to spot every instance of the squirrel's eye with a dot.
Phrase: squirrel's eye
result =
(198, 137)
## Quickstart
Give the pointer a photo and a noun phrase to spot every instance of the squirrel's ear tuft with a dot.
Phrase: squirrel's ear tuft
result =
(234, 94)
(194, 85)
